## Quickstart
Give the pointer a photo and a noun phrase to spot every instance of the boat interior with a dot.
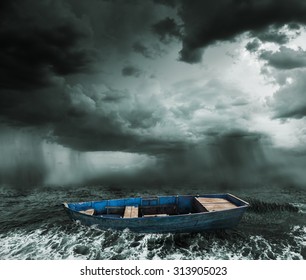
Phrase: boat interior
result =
(158, 206)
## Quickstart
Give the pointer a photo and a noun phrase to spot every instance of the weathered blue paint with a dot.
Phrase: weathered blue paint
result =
(183, 221)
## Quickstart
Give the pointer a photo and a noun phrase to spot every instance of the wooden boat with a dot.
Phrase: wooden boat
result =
(176, 213)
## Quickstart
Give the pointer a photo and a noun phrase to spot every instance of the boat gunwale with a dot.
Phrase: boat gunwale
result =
(246, 203)
(144, 197)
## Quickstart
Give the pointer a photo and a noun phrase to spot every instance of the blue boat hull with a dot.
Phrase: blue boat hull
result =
(187, 222)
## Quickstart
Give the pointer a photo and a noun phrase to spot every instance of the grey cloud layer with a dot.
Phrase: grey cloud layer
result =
(46, 43)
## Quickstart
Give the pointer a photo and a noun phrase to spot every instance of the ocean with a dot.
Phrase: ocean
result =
(34, 226)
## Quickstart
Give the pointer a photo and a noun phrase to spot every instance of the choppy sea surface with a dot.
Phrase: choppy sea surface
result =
(33, 225)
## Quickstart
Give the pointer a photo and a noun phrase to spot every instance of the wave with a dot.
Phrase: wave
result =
(38, 229)
(79, 242)
(260, 206)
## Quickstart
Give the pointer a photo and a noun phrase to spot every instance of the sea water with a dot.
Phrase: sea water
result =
(33, 225)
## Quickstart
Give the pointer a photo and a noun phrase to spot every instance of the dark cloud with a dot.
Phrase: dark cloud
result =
(142, 49)
(253, 46)
(130, 70)
(271, 34)
(93, 133)
(33, 53)
(167, 29)
(112, 120)
(117, 24)
(294, 26)
(289, 101)
(34, 107)
(206, 22)
(285, 58)
(106, 134)
(47, 47)
(241, 134)
(152, 51)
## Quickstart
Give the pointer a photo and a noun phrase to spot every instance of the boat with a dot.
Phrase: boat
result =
(161, 214)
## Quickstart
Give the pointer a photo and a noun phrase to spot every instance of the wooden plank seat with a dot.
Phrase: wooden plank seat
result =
(131, 212)
(211, 204)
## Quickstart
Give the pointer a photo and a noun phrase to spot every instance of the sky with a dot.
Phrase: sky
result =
(152, 93)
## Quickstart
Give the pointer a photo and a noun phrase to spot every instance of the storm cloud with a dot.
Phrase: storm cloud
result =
(207, 22)
(84, 83)
(151, 51)
(167, 29)
(271, 34)
(131, 71)
(53, 50)
(253, 46)
(138, 47)
(44, 45)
